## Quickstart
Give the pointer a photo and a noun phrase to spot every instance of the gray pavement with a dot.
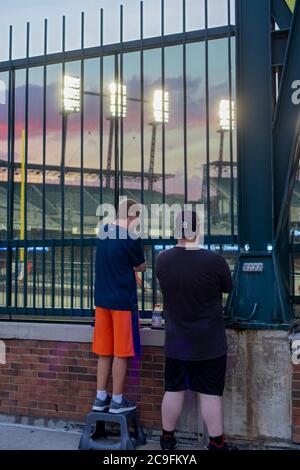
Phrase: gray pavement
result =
(23, 437)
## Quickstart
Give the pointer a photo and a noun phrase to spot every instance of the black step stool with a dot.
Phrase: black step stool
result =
(94, 436)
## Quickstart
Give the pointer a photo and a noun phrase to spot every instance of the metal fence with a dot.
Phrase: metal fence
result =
(58, 164)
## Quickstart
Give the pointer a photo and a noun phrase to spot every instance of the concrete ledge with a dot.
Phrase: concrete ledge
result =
(67, 333)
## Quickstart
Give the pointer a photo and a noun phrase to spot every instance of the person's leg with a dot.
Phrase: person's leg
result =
(173, 401)
(208, 378)
(103, 371)
(103, 347)
(212, 413)
(119, 370)
(123, 349)
(171, 409)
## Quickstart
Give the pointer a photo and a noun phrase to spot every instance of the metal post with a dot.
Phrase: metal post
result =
(256, 294)
(152, 156)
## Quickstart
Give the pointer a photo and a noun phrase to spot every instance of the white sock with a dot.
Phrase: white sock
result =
(102, 394)
(117, 399)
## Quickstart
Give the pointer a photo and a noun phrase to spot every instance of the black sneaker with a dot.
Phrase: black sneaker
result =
(225, 446)
(101, 405)
(122, 407)
(168, 443)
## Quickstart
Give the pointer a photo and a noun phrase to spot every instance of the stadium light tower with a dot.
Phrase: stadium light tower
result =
(161, 106)
(227, 124)
(118, 109)
(227, 119)
(71, 94)
(71, 103)
(118, 100)
(161, 113)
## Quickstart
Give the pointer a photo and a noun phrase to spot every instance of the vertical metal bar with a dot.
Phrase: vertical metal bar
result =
(101, 107)
(16, 273)
(142, 125)
(142, 110)
(34, 276)
(163, 79)
(53, 275)
(184, 102)
(72, 276)
(154, 284)
(81, 161)
(91, 276)
(116, 121)
(293, 262)
(44, 163)
(64, 118)
(231, 123)
(207, 127)
(10, 176)
(121, 117)
(26, 163)
(12, 148)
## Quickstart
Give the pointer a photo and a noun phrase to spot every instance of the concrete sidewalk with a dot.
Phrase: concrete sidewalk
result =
(24, 437)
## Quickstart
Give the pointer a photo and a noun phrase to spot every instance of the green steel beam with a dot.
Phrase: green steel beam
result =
(286, 120)
(281, 14)
(256, 296)
(279, 46)
(286, 137)
(254, 123)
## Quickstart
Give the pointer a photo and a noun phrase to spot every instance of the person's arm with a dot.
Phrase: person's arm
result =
(225, 277)
(136, 253)
(141, 268)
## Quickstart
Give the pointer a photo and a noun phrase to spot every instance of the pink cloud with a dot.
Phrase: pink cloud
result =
(195, 107)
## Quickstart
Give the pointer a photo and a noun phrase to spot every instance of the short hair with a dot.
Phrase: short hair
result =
(125, 206)
(187, 225)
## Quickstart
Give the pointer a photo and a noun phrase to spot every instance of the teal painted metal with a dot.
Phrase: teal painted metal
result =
(281, 14)
(286, 137)
(286, 122)
(254, 123)
(259, 297)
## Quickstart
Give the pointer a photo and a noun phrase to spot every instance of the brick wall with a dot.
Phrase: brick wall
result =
(296, 404)
(55, 379)
(58, 380)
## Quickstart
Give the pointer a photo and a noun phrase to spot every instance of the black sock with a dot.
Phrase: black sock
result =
(168, 433)
(217, 440)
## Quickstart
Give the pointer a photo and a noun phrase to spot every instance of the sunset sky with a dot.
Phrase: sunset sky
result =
(17, 12)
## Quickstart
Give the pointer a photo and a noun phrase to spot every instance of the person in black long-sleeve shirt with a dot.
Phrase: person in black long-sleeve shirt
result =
(192, 283)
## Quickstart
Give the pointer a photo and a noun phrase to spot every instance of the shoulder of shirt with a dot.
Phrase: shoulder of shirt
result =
(214, 255)
(165, 253)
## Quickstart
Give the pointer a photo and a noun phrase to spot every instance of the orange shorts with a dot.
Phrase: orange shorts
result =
(113, 335)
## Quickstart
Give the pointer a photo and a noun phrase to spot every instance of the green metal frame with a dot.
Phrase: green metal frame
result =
(268, 157)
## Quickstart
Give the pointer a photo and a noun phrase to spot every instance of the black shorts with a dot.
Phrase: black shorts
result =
(207, 377)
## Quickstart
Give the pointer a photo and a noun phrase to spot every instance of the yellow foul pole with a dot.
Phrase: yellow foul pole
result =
(291, 4)
(22, 202)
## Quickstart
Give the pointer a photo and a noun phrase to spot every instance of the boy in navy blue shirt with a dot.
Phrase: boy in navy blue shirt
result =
(116, 334)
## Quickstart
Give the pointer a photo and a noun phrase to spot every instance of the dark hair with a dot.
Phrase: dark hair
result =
(129, 203)
(187, 225)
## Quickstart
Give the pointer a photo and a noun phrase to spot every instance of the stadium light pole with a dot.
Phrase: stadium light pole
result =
(118, 109)
(227, 124)
(161, 113)
(71, 103)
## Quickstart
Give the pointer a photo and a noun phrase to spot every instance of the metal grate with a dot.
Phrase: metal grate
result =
(48, 271)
